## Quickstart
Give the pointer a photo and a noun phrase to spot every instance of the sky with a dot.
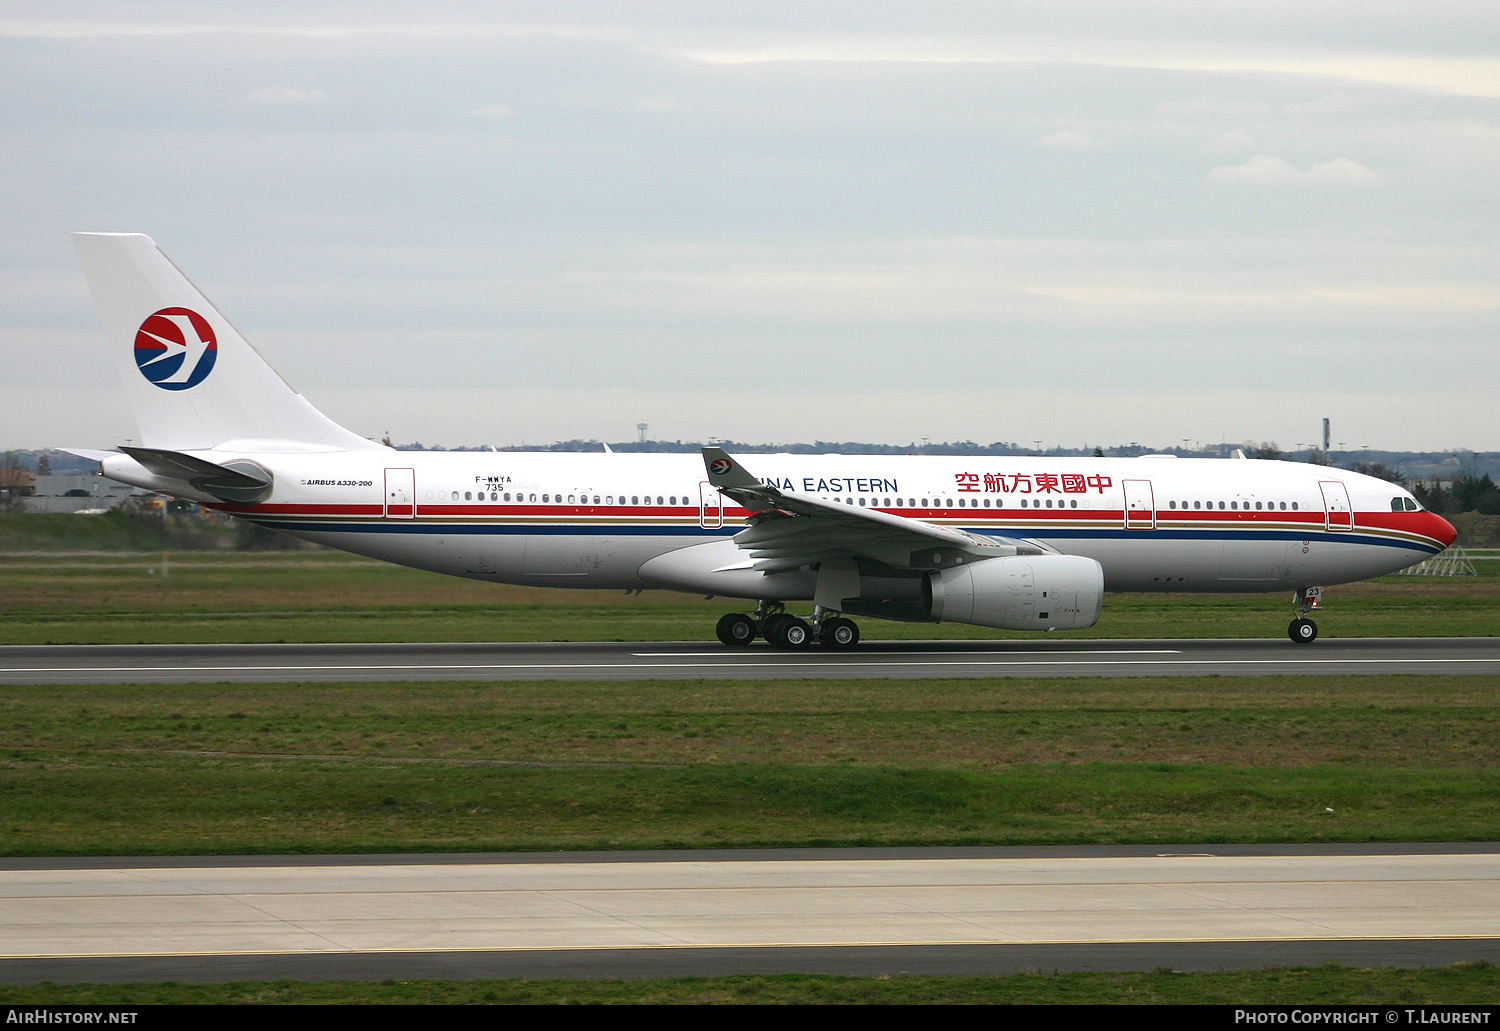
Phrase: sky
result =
(1156, 221)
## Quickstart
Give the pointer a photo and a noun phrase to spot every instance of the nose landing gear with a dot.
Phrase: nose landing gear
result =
(1303, 630)
(783, 630)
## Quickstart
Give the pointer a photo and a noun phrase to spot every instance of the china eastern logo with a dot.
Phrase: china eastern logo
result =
(719, 466)
(175, 348)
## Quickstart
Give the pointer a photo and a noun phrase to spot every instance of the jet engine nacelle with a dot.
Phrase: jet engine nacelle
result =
(1041, 592)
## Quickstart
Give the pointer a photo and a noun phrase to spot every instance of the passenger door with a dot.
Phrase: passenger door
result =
(400, 493)
(1337, 512)
(1140, 505)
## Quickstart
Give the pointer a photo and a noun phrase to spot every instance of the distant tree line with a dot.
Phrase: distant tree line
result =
(1464, 494)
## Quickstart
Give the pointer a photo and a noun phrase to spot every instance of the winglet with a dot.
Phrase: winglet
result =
(724, 472)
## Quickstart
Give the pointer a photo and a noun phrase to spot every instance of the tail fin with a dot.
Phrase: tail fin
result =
(192, 381)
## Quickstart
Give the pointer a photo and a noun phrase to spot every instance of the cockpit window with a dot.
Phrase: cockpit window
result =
(1405, 505)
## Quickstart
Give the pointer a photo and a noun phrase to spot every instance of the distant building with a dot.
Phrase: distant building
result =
(23, 481)
(76, 492)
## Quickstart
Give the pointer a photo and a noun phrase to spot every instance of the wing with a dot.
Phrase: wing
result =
(789, 530)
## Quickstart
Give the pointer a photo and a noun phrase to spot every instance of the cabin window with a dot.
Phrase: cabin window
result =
(1294, 506)
(455, 496)
(898, 502)
(1073, 505)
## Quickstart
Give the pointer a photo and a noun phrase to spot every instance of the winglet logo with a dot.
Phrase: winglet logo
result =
(175, 348)
(719, 466)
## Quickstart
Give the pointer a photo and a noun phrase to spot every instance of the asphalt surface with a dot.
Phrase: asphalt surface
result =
(948, 911)
(77, 664)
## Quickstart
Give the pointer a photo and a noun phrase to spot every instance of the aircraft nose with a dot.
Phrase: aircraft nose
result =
(1439, 529)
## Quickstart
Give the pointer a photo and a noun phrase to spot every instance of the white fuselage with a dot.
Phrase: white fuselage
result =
(595, 520)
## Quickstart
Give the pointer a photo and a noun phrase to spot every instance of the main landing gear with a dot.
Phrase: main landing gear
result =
(1303, 630)
(783, 630)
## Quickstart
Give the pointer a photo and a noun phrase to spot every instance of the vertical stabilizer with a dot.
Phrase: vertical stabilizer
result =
(192, 381)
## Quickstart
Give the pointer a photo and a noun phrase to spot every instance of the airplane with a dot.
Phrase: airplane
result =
(1018, 543)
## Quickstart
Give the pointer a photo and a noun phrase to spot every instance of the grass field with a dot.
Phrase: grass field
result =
(447, 766)
(196, 597)
(1460, 984)
(453, 766)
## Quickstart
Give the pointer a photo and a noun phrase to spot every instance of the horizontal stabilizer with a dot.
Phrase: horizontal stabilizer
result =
(243, 484)
(94, 454)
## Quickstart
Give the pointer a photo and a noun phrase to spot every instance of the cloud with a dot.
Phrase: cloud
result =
(658, 103)
(1333, 105)
(1067, 141)
(492, 111)
(286, 95)
(1204, 108)
(1236, 141)
(1265, 170)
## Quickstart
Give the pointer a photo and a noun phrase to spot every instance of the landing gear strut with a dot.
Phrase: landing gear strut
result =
(783, 630)
(1303, 630)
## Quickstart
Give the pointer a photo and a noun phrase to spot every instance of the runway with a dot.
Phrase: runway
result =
(834, 910)
(76, 664)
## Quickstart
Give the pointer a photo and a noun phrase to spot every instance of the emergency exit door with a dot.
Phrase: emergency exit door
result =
(710, 506)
